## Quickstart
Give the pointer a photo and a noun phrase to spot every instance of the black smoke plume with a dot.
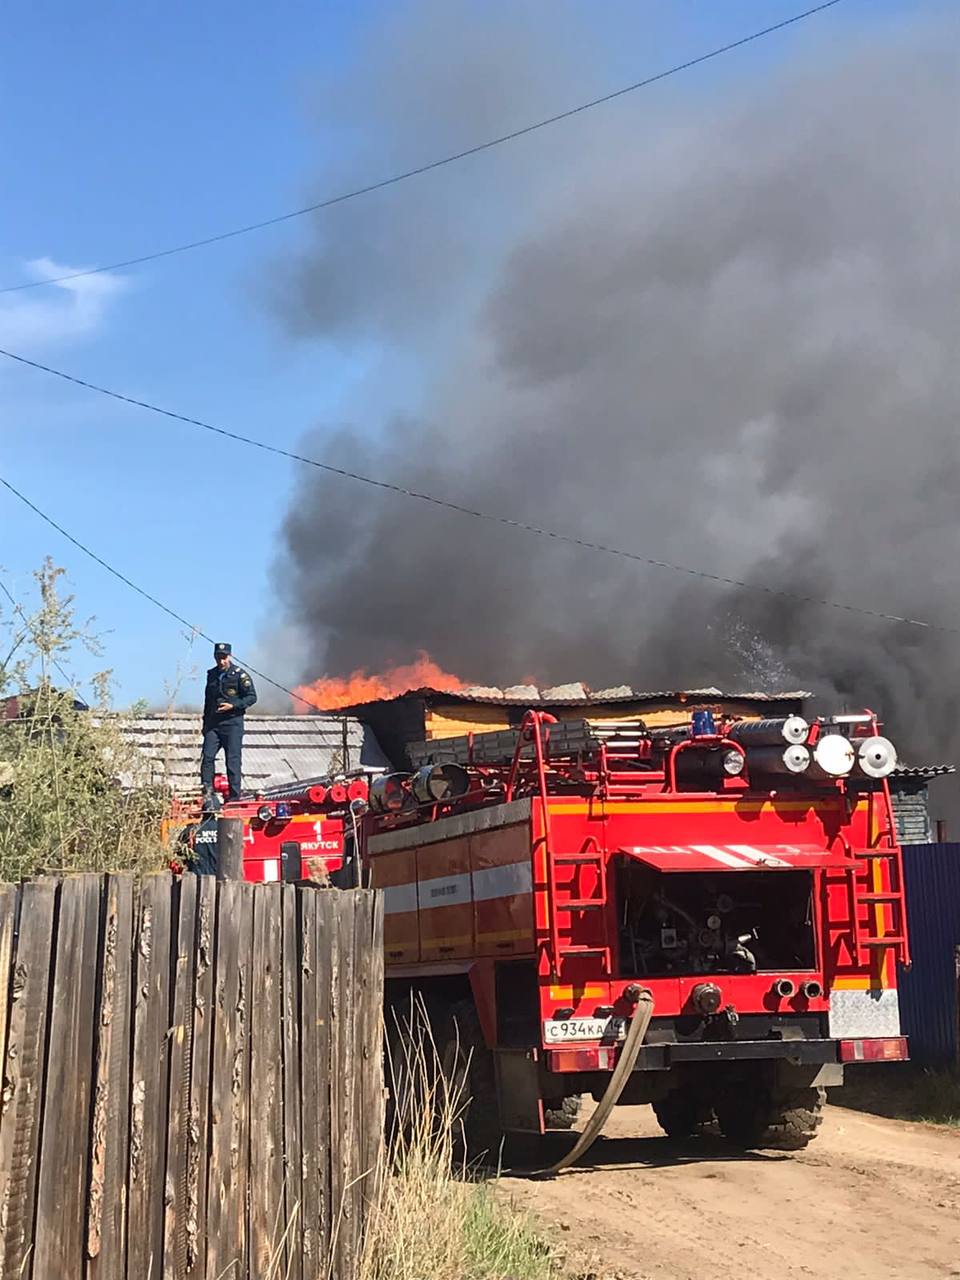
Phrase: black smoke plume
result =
(716, 324)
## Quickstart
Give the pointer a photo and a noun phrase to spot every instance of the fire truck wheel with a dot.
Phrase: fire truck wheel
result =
(783, 1119)
(562, 1114)
(471, 1080)
(682, 1113)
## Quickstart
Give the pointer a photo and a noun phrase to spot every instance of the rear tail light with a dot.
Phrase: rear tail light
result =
(889, 1050)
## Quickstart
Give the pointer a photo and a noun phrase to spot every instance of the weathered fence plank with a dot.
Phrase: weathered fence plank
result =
(64, 1144)
(291, 996)
(201, 1049)
(267, 1222)
(327, 968)
(23, 1074)
(369, 1042)
(107, 1211)
(227, 1232)
(343, 1074)
(312, 1152)
(149, 1080)
(178, 1111)
(8, 928)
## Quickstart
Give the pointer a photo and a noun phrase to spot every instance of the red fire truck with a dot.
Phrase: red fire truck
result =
(293, 832)
(707, 916)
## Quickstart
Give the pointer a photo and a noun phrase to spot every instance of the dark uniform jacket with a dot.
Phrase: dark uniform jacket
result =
(233, 686)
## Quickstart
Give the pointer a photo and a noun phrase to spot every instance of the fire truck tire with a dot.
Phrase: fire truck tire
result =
(471, 1079)
(682, 1113)
(563, 1114)
(782, 1120)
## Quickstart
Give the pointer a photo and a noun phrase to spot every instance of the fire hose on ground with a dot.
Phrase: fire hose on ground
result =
(621, 1074)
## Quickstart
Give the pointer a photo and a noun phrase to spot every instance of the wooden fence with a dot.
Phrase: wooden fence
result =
(192, 1078)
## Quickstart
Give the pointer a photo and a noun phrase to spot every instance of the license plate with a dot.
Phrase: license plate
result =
(555, 1030)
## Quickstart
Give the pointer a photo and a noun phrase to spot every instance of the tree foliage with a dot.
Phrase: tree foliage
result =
(63, 806)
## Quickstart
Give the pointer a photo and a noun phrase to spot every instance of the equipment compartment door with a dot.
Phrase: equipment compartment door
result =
(396, 875)
(445, 900)
(503, 891)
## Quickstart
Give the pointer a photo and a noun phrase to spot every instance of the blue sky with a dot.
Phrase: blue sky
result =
(127, 128)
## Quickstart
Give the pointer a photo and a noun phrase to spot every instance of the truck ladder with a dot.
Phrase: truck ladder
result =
(870, 932)
(590, 857)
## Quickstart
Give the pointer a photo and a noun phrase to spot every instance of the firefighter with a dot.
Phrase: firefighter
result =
(229, 693)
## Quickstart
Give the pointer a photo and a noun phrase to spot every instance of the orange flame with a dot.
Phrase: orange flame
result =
(330, 692)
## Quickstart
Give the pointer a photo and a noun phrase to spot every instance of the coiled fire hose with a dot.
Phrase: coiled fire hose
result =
(621, 1074)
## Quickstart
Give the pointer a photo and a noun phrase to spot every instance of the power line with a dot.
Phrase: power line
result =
(444, 503)
(122, 577)
(396, 178)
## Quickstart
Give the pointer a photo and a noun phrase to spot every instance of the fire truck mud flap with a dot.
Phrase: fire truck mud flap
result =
(639, 1025)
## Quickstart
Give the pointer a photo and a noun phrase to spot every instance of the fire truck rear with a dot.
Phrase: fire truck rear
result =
(291, 832)
(707, 917)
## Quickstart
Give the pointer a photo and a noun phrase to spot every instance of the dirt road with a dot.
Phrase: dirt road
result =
(870, 1197)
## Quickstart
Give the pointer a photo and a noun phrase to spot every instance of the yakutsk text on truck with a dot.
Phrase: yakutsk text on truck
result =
(707, 916)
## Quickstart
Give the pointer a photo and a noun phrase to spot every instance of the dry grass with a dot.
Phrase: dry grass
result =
(902, 1091)
(434, 1220)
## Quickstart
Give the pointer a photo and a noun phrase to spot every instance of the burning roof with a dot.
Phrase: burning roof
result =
(428, 713)
(575, 694)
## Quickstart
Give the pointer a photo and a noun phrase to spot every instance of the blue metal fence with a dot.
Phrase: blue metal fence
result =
(929, 991)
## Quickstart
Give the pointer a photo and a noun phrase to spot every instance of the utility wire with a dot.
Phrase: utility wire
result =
(444, 503)
(172, 613)
(391, 181)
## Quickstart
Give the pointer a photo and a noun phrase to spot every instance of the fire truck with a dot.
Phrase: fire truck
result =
(707, 916)
(293, 832)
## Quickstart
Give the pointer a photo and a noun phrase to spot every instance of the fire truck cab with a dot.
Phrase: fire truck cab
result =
(544, 885)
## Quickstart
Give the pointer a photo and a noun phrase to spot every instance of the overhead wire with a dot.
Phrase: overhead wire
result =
(141, 591)
(419, 170)
(449, 505)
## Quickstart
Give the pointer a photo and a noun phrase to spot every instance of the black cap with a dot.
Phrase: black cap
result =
(221, 650)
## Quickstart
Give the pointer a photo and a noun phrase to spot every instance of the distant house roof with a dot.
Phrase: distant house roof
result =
(575, 694)
(10, 705)
(276, 749)
(922, 772)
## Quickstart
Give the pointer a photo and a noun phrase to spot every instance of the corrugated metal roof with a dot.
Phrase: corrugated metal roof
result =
(276, 749)
(922, 771)
(577, 695)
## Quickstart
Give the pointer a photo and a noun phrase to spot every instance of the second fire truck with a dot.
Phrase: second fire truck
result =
(707, 916)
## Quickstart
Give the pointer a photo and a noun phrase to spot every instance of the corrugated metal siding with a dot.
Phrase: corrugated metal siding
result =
(276, 749)
(928, 992)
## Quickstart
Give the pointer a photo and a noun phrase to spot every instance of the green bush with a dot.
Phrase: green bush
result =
(74, 795)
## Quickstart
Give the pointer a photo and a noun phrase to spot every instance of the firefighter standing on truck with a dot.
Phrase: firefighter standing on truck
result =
(228, 695)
